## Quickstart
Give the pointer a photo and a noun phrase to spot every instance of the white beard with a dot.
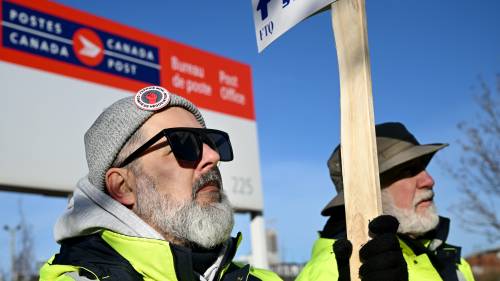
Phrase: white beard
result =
(207, 226)
(410, 222)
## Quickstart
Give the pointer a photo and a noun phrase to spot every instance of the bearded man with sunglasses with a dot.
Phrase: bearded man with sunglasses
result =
(152, 206)
(409, 240)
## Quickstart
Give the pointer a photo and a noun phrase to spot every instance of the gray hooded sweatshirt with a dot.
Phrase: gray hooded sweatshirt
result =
(91, 210)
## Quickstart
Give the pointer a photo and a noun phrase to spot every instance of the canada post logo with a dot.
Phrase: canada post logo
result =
(46, 35)
(88, 47)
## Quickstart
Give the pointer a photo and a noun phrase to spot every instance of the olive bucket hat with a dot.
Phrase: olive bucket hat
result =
(395, 147)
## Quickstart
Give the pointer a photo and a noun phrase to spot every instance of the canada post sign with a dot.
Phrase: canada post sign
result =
(58, 39)
(44, 35)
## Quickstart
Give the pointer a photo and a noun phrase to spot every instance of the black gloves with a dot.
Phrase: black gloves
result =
(343, 250)
(381, 257)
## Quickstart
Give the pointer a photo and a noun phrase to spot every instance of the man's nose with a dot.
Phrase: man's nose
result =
(209, 158)
(424, 180)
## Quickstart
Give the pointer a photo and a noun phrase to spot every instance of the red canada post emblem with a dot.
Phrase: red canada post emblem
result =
(88, 47)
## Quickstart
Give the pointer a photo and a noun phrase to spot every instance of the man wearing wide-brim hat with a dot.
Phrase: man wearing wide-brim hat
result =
(409, 240)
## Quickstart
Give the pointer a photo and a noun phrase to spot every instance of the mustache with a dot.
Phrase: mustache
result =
(213, 176)
(425, 195)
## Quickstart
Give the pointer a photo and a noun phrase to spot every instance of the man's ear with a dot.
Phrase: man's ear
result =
(118, 186)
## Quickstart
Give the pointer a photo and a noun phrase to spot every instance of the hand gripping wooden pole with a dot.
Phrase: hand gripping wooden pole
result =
(357, 134)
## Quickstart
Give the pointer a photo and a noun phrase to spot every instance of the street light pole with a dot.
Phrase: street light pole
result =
(12, 231)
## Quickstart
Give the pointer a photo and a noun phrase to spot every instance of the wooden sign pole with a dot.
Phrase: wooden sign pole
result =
(358, 145)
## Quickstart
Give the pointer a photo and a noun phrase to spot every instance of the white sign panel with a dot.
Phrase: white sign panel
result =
(272, 18)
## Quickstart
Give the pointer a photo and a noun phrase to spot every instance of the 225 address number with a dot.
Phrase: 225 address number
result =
(242, 185)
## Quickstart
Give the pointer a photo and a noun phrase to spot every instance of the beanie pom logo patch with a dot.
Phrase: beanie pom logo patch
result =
(152, 98)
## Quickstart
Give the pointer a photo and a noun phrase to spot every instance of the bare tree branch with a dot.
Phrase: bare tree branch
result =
(478, 170)
(24, 267)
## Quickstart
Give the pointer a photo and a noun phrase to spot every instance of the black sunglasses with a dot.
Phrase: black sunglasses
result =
(187, 144)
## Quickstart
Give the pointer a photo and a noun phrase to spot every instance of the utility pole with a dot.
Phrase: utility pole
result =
(12, 231)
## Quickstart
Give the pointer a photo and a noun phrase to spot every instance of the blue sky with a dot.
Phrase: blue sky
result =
(425, 57)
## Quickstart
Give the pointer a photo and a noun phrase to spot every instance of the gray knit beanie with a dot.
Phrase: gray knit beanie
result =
(117, 123)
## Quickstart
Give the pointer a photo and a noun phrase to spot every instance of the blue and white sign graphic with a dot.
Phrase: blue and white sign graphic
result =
(45, 35)
(272, 18)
